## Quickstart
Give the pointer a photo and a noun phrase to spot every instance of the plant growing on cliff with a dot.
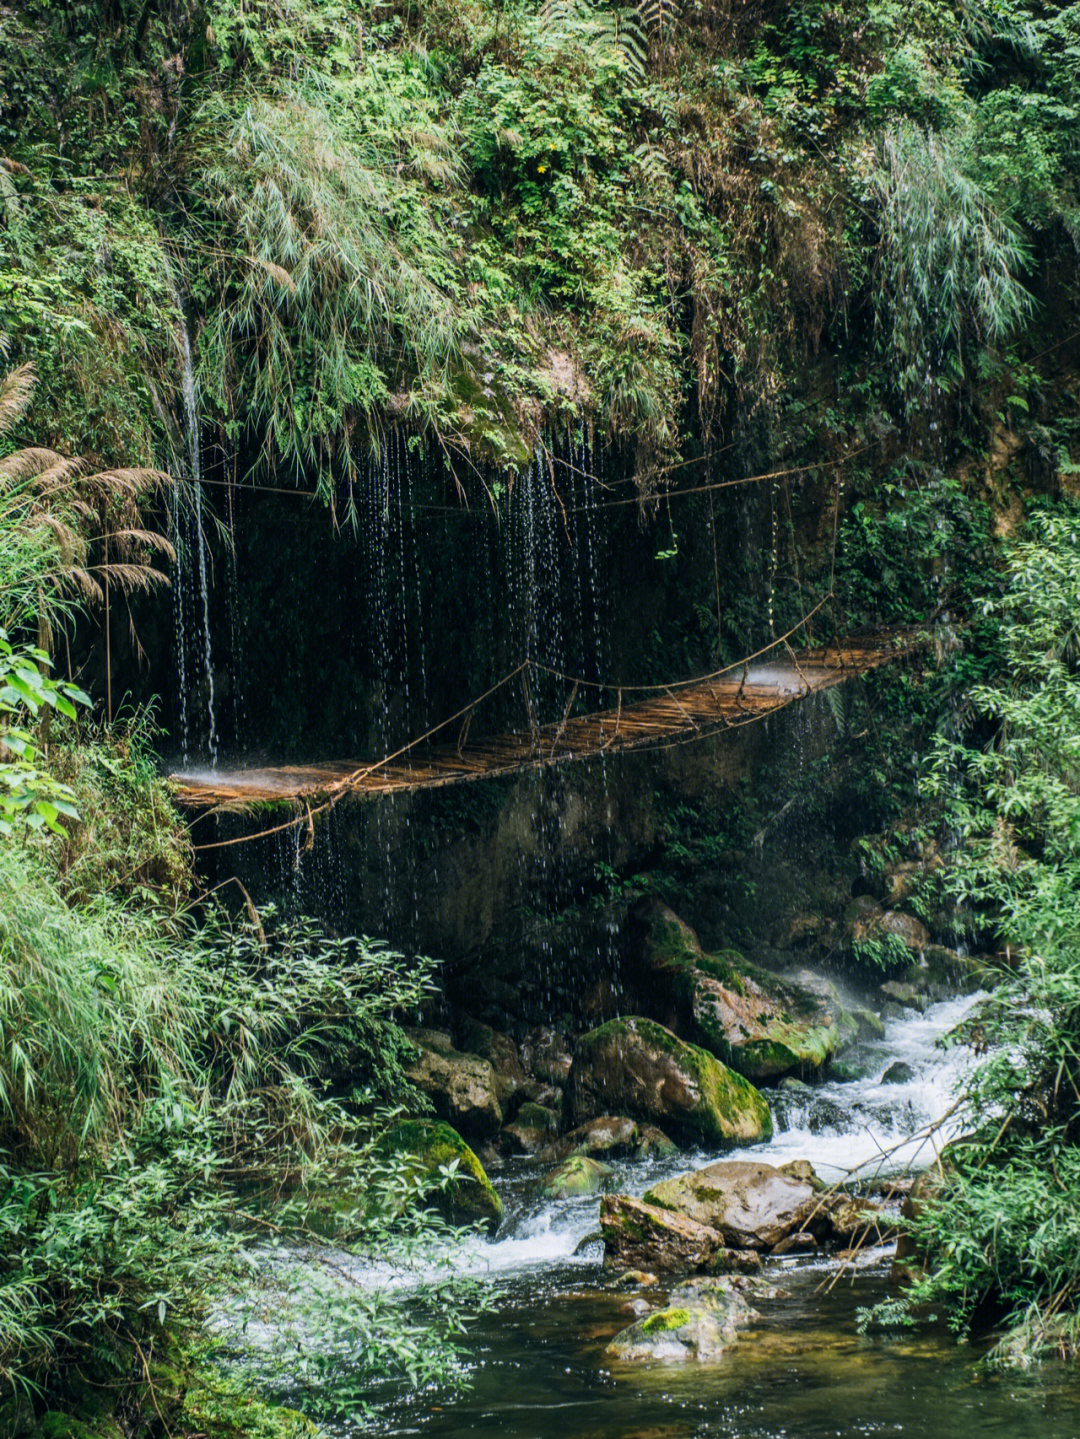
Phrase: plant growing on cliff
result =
(948, 263)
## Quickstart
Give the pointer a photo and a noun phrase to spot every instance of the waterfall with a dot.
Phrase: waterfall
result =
(202, 587)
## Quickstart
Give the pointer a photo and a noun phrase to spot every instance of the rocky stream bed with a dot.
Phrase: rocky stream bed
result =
(673, 1251)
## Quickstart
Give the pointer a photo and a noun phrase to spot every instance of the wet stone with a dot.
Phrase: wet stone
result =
(898, 1073)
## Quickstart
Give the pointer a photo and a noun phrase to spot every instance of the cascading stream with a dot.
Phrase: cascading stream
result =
(862, 1129)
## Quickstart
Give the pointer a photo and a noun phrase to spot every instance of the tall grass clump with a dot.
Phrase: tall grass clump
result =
(949, 265)
(336, 264)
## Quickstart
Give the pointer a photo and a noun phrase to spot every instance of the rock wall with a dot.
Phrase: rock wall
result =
(495, 877)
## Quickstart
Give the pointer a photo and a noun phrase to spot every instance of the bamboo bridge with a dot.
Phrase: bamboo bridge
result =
(668, 714)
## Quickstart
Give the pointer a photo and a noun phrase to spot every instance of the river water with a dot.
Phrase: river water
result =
(801, 1370)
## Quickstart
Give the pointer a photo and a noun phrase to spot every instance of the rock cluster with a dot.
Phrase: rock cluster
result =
(761, 1025)
(726, 1215)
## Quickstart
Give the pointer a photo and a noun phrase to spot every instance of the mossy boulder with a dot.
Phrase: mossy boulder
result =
(462, 1087)
(428, 1145)
(533, 1127)
(751, 1205)
(579, 1175)
(699, 1324)
(638, 1067)
(642, 1236)
(870, 1025)
(500, 1051)
(653, 1143)
(537, 1116)
(761, 1025)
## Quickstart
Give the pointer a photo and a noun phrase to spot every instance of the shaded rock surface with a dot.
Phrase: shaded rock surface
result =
(642, 1236)
(638, 1067)
(614, 1137)
(500, 1051)
(758, 1023)
(634, 1231)
(462, 1087)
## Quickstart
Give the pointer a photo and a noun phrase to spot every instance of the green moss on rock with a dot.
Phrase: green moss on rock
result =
(664, 1320)
(637, 1066)
(578, 1175)
(757, 1023)
(431, 1144)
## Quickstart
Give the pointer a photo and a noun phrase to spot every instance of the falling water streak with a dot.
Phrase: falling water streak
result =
(405, 630)
(236, 665)
(595, 563)
(194, 439)
(377, 531)
(179, 544)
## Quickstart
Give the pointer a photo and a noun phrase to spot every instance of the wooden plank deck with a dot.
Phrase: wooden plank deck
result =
(677, 714)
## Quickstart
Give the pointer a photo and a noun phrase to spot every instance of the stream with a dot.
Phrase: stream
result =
(801, 1370)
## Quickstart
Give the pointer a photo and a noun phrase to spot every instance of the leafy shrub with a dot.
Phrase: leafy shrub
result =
(1000, 1235)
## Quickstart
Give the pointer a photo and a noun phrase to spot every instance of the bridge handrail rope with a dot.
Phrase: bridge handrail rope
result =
(341, 787)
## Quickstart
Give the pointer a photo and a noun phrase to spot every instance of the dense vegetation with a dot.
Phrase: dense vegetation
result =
(484, 217)
(720, 237)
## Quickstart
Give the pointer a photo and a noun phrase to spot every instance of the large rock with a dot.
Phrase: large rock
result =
(575, 1177)
(761, 1025)
(425, 1148)
(762, 1206)
(642, 1236)
(701, 1322)
(637, 1067)
(462, 1087)
(500, 1051)
(751, 1205)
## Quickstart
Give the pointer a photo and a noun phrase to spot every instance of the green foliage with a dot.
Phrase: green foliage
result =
(919, 546)
(323, 205)
(949, 265)
(147, 1067)
(31, 797)
(1000, 1233)
(885, 955)
(128, 841)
